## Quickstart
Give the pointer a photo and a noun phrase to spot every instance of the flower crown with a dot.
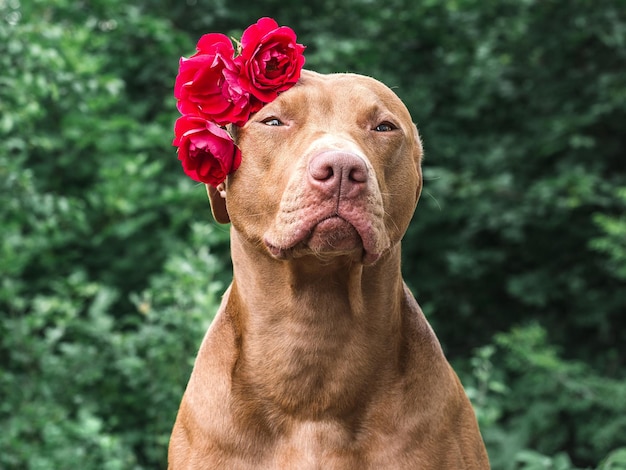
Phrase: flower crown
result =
(218, 86)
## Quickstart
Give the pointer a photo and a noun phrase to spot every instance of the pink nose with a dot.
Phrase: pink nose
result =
(337, 172)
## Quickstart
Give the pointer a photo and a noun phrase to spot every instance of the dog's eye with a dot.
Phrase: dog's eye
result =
(385, 127)
(272, 122)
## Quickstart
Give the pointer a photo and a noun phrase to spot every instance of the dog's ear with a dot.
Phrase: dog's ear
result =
(418, 155)
(217, 198)
(418, 152)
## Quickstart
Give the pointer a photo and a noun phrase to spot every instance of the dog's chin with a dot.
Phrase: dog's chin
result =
(328, 239)
(334, 235)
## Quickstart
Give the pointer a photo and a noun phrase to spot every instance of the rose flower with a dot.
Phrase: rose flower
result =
(206, 151)
(270, 59)
(204, 85)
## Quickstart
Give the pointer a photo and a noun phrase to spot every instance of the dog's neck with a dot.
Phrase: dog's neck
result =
(335, 316)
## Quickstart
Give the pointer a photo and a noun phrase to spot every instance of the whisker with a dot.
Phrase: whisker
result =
(427, 193)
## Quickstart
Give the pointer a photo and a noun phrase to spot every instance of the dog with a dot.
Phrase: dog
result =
(319, 356)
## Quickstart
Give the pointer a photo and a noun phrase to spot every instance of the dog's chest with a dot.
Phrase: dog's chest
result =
(317, 445)
(323, 445)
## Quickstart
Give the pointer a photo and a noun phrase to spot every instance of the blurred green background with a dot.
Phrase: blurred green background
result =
(112, 268)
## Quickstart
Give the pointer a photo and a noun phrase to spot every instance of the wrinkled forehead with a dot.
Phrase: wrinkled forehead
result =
(366, 96)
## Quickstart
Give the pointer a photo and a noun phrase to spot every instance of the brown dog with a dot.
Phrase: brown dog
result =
(319, 357)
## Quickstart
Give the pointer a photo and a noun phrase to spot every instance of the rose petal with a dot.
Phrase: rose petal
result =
(254, 33)
(212, 42)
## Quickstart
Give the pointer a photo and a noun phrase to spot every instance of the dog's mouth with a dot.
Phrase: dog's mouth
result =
(331, 236)
(334, 234)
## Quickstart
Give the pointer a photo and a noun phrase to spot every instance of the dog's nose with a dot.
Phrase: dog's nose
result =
(338, 171)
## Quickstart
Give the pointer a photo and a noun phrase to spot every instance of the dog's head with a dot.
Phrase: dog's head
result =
(331, 167)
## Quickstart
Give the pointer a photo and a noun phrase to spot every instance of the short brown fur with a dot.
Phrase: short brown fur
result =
(319, 356)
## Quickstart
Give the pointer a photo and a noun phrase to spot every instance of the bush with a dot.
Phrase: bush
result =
(108, 283)
(106, 290)
(530, 402)
(80, 385)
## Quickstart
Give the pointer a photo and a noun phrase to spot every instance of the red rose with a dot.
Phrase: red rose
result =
(270, 59)
(213, 89)
(206, 151)
(204, 85)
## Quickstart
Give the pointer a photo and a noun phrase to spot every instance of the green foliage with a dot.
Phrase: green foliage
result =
(105, 290)
(80, 386)
(108, 283)
(614, 461)
(544, 398)
(612, 242)
(531, 460)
